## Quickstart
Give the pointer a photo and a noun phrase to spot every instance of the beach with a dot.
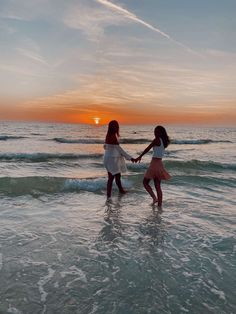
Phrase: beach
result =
(64, 249)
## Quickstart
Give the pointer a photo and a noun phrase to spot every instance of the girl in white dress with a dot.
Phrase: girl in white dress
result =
(114, 157)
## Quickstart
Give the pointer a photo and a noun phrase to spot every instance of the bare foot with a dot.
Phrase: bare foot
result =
(109, 200)
(155, 200)
(123, 192)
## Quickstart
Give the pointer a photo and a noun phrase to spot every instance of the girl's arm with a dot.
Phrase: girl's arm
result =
(154, 142)
(123, 153)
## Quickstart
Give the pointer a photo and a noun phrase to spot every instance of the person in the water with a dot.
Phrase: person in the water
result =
(114, 158)
(156, 170)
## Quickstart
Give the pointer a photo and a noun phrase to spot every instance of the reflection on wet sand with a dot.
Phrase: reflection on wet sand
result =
(113, 226)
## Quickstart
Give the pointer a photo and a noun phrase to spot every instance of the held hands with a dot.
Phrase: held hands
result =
(135, 160)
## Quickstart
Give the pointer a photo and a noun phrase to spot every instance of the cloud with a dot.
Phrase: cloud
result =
(18, 70)
(221, 54)
(131, 16)
(123, 92)
(92, 20)
(25, 10)
(122, 87)
(153, 86)
(32, 55)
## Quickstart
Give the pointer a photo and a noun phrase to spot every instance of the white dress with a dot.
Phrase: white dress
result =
(114, 159)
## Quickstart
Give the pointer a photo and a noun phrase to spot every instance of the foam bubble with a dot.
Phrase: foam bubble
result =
(219, 293)
(185, 259)
(90, 185)
(74, 271)
(43, 280)
(13, 310)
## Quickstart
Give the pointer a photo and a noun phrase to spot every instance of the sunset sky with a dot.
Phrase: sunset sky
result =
(138, 61)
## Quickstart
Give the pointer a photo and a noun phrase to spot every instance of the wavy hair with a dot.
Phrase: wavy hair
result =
(113, 128)
(160, 131)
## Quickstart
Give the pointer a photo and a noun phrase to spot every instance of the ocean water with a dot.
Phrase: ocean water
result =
(63, 249)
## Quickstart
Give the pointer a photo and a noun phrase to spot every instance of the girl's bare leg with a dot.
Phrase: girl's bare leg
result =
(157, 184)
(109, 184)
(149, 189)
(118, 183)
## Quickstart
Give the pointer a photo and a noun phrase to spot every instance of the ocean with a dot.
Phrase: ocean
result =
(64, 249)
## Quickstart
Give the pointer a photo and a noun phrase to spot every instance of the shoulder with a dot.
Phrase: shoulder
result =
(156, 141)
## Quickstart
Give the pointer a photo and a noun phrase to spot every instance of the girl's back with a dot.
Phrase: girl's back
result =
(158, 150)
(111, 139)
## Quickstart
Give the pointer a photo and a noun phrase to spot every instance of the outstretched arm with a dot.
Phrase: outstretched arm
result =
(146, 150)
(123, 153)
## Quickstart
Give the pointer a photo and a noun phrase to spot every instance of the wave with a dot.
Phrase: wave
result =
(47, 185)
(78, 141)
(199, 165)
(36, 185)
(98, 141)
(186, 166)
(44, 157)
(135, 141)
(198, 141)
(8, 137)
(207, 182)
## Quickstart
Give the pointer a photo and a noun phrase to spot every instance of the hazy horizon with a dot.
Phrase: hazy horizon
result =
(174, 125)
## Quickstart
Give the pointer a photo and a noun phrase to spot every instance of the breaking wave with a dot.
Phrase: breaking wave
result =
(8, 137)
(197, 142)
(98, 141)
(135, 141)
(43, 157)
(34, 185)
(77, 141)
(199, 165)
(186, 166)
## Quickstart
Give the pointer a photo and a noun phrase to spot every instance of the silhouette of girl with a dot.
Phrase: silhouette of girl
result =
(156, 170)
(114, 157)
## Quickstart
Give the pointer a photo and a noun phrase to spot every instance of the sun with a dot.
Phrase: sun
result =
(96, 120)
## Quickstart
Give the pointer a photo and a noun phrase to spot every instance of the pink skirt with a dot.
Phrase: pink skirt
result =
(156, 170)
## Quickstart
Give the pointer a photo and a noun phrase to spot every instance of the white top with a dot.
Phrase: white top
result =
(114, 159)
(158, 151)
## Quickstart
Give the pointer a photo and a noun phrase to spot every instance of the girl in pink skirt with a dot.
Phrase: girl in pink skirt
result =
(156, 170)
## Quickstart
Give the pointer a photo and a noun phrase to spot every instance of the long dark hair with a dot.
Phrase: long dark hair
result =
(113, 128)
(160, 131)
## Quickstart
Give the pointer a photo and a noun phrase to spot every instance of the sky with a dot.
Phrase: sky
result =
(136, 61)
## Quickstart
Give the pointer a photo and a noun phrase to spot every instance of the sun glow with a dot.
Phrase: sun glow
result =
(96, 120)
